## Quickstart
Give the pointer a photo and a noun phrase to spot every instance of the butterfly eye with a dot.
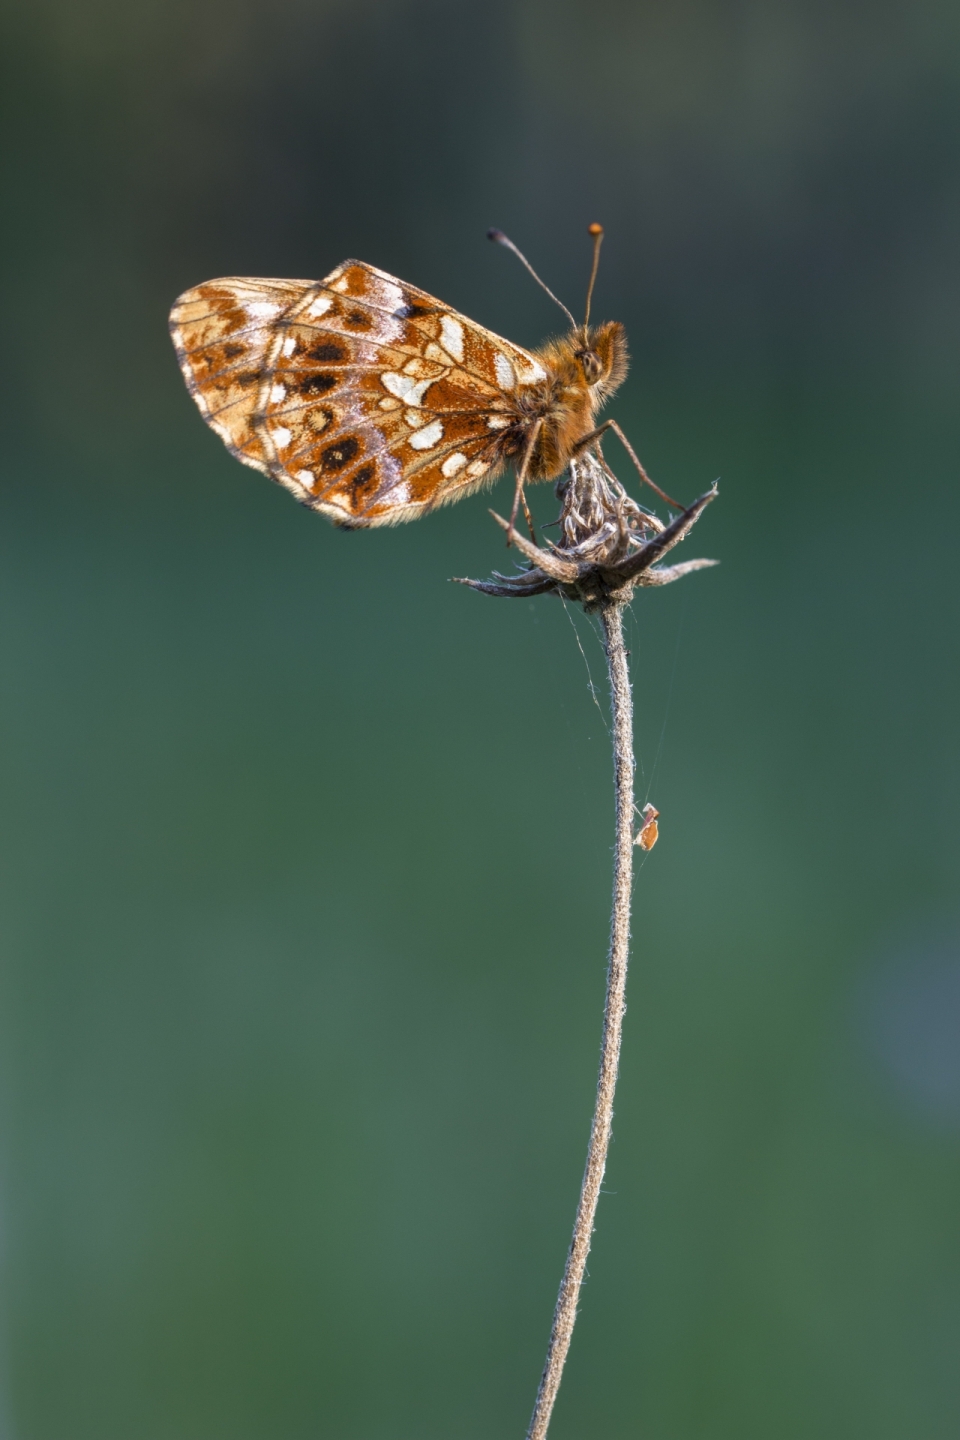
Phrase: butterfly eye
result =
(591, 364)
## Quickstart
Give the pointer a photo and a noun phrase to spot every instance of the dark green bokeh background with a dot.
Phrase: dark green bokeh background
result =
(305, 852)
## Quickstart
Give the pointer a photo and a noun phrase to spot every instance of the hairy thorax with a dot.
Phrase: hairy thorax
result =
(583, 370)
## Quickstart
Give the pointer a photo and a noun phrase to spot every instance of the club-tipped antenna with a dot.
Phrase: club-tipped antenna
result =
(597, 232)
(498, 237)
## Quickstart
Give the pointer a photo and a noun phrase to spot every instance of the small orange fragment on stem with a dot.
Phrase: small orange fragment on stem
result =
(649, 830)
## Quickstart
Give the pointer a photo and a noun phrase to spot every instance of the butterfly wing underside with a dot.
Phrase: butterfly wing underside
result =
(369, 400)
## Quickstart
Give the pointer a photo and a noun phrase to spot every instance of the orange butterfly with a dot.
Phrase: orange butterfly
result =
(372, 402)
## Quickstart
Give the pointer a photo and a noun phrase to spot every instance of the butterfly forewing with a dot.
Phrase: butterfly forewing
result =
(368, 399)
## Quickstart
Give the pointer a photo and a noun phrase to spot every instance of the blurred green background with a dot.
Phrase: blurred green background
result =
(306, 853)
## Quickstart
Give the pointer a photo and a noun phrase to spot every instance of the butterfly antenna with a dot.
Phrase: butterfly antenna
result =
(597, 232)
(498, 237)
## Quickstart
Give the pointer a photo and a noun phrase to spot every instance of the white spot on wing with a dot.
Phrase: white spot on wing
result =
(385, 293)
(451, 336)
(478, 468)
(319, 307)
(505, 376)
(289, 345)
(263, 309)
(277, 393)
(398, 494)
(531, 374)
(497, 422)
(281, 436)
(405, 388)
(305, 477)
(453, 464)
(341, 284)
(429, 436)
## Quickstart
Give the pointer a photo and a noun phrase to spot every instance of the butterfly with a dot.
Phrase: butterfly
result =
(373, 403)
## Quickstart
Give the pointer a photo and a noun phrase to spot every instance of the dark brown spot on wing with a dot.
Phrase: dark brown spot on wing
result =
(327, 352)
(412, 312)
(363, 485)
(358, 320)
(334, 457)
(316, 384)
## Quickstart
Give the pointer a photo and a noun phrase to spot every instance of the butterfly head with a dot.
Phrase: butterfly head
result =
(590, 364)
(601, 352)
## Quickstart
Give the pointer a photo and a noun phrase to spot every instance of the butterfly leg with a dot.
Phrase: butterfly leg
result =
(595, 435)
(518, 495)
(529, 518)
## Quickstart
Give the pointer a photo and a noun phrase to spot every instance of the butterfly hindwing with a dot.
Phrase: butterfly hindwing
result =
(368, 399)
(221, 332)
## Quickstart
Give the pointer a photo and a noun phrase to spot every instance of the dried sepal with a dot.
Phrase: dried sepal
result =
(551, 562)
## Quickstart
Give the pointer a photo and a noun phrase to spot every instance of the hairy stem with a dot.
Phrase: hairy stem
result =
(565, 1314)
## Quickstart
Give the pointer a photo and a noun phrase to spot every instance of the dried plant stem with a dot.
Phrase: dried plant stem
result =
(564, 1317)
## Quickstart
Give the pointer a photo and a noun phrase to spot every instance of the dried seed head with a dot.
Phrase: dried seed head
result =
(608, 542)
